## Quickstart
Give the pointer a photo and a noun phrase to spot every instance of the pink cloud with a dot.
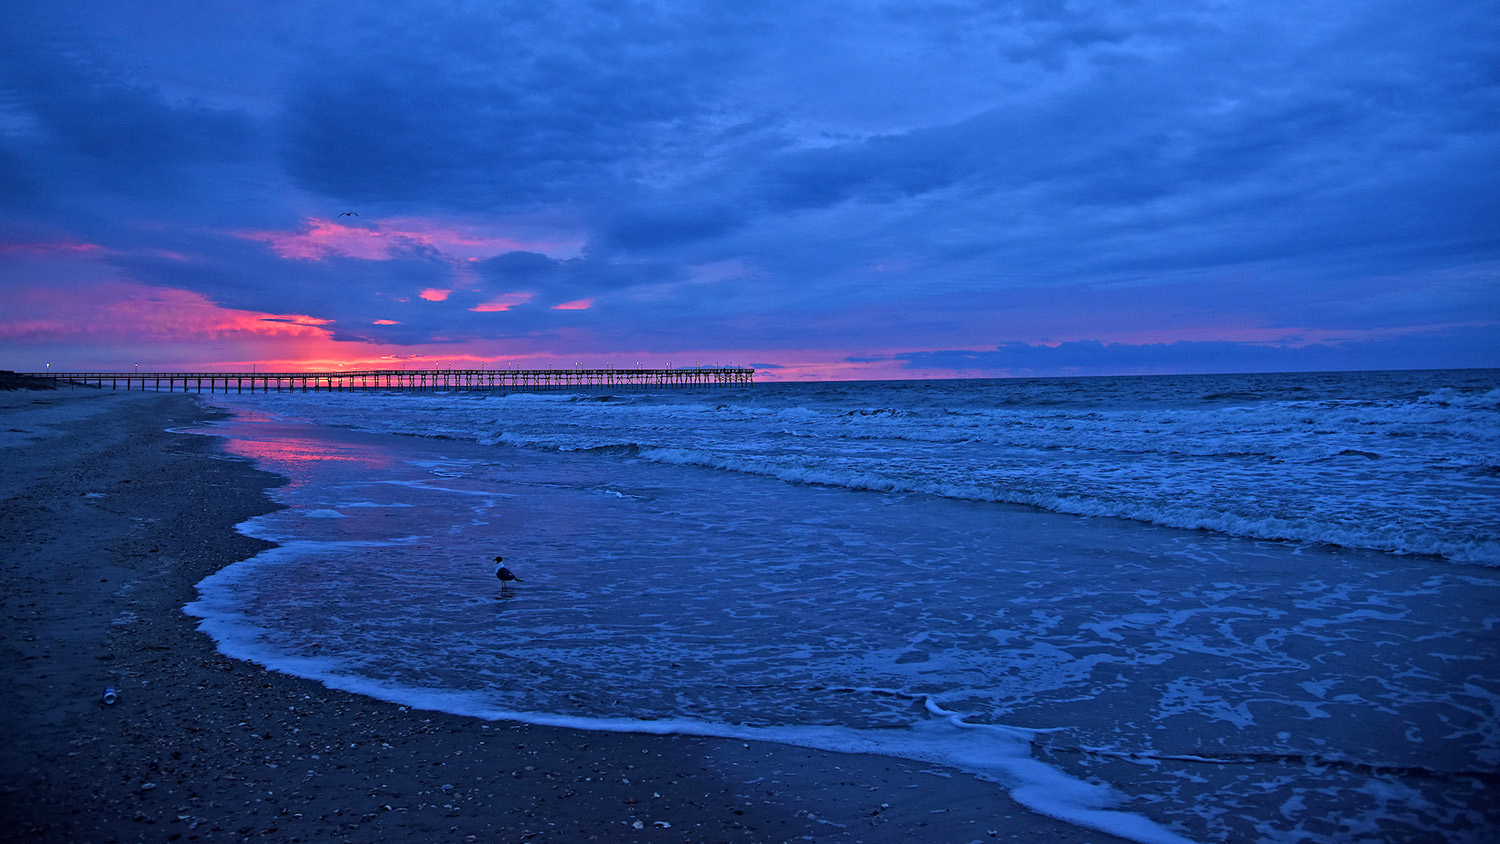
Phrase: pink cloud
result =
(108, 325)
(504, 303)
(434, 294)
(575, 305)
(825, 366)
(386, 322)
(139, 313)
(322, 238)
(62, 248)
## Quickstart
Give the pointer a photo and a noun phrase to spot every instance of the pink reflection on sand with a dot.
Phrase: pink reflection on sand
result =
(287, 454)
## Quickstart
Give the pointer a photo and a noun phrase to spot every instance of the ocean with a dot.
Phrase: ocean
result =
(1193, 608)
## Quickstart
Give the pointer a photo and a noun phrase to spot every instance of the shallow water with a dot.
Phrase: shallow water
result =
(1160, 683)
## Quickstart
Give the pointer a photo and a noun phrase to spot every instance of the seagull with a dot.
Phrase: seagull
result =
(505, 574)
(349, 214)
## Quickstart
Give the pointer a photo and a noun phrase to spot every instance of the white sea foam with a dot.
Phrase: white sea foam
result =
(994, 752)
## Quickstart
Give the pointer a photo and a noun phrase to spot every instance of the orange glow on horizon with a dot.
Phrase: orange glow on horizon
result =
(110, 324)
(125, 321)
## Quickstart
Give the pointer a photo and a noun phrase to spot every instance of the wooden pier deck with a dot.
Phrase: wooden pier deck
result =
(408, 380)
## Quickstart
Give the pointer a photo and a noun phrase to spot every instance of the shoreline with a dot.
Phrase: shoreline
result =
(110, 521)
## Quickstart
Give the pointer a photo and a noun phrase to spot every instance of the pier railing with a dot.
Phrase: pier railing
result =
(414, 380)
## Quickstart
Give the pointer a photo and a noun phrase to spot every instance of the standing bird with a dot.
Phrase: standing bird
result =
(505, 574)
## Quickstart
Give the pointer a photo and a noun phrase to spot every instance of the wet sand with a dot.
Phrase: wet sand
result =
(109, 521)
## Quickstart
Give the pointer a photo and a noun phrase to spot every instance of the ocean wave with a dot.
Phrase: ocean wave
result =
(1353, 533)
(1399, 463)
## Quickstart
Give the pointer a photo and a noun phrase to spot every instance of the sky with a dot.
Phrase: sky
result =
(821, 190)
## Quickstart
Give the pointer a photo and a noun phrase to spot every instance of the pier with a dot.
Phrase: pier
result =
(408, 380)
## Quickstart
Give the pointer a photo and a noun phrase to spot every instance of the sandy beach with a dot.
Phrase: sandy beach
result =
(108, 523)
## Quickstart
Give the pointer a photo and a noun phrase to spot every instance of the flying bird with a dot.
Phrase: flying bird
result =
(505, 574)
(348, 214)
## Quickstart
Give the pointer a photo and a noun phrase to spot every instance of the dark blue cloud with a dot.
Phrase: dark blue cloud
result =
(83, 122)
(516, 104)
(661, 224)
